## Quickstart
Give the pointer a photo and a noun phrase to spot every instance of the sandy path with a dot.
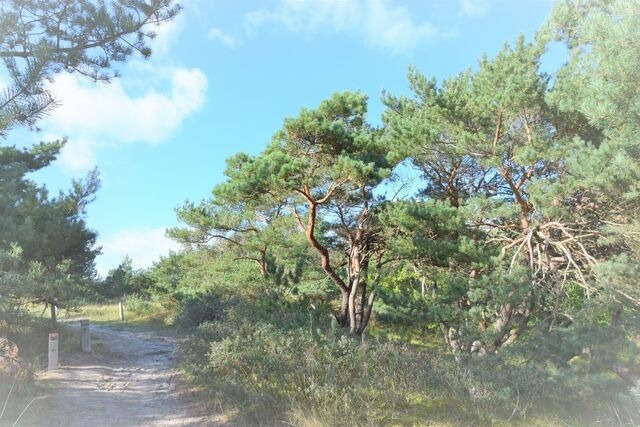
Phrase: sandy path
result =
(128, 381)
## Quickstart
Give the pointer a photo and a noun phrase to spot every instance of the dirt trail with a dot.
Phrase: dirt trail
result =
(128, 381)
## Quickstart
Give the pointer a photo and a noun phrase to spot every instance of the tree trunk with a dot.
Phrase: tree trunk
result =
(262, 265)
(53, 314)
(354, 314)
(352, 306)
(343, 319)
(367, 313)
(359, 305)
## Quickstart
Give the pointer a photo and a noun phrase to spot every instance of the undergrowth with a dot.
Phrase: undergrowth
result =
(268, 363)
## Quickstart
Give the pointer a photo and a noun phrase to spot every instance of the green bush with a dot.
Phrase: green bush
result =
(275, 363)
(138, 304)
(197, 310)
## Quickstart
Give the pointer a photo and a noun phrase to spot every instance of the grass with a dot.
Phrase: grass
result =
(137, 312)
(96, 313)
(15, 400)
(412, 335)
(144, 314)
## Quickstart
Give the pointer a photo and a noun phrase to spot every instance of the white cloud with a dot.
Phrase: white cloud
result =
(378, 22)
(77, 156)
(92, 115)
(143, 246)
(473, 7)
(226, 39)
(393, 28)
(107, 111)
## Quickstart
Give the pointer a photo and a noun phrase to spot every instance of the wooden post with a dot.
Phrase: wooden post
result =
(121, 311)
(53, 351)
(86, 336)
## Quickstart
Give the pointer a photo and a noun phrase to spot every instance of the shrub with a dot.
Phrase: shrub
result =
(197, 310)
(282, 370)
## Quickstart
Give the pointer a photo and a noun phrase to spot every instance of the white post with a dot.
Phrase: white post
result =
(86, 336)
(53, 351)
(121, 310)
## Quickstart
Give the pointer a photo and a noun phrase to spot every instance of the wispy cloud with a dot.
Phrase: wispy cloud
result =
(143, 246)
(473, 7)
(380, 23)
(226, 39)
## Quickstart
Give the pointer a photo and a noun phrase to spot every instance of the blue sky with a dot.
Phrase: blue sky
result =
(225, 74)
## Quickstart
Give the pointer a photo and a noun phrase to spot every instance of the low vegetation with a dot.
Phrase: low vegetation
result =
(267, 359)
(137, 312)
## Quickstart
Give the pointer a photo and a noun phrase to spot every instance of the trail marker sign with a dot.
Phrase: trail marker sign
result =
(53, 351)
(86, 336)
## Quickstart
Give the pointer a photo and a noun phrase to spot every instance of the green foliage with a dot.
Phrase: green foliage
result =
(46, 248)
(123, 280)
(197, 310)
(317, 176)
(598, 82)
(181, 276)
(270, 365)
(528, 230)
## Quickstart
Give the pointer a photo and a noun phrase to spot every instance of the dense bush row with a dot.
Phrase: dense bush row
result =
(281, 368)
